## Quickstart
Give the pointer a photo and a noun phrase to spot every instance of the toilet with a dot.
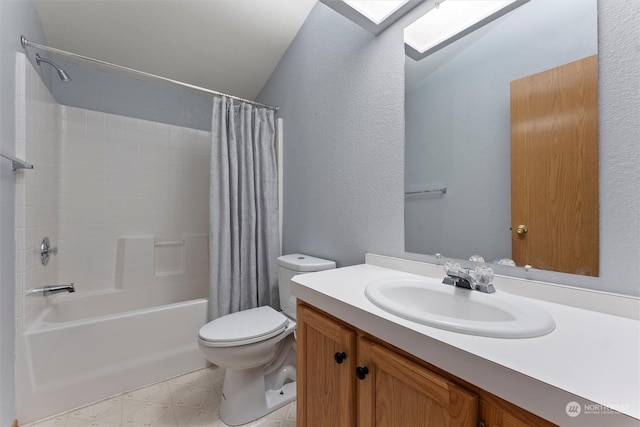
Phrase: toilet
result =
(258, 349)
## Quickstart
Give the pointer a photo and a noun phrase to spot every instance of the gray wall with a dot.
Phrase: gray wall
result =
(341, 94)
(16, 18)
(109, 91)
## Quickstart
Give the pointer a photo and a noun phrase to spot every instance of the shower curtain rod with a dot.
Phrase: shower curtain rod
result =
(26, 43)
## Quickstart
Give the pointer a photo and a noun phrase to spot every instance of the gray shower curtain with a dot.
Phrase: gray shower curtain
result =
(244, 236)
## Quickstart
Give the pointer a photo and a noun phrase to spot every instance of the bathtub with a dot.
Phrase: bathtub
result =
(89, 347)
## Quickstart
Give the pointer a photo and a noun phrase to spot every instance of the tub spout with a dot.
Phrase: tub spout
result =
(53, 289)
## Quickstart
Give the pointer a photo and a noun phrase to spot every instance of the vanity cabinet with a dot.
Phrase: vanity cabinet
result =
(326, 388)
(502, 414)
(398, 392)
(346, 378)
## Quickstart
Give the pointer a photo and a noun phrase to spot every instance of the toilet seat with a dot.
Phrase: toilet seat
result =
(243, 327)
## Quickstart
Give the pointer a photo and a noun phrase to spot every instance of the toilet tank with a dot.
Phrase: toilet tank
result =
(291, 265)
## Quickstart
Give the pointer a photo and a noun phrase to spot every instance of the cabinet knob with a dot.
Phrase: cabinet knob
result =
(361, 372)
(339, 357)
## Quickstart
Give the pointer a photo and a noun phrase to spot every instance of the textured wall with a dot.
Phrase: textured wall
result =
(341, 93)
(619, 94)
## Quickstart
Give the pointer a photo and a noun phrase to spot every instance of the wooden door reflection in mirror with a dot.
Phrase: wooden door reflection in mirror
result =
(554, 168)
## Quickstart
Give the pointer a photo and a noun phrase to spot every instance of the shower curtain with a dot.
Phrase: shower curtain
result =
(244, 236)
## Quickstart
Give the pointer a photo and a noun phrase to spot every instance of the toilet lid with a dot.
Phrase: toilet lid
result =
(244, 327)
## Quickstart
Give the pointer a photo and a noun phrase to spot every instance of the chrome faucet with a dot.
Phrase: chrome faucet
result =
(52, 289)
(463, 279)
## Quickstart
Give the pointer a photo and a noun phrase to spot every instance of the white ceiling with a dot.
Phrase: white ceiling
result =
(231, 46)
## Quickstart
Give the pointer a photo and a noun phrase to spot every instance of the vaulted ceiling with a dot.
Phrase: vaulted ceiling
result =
(230, 46)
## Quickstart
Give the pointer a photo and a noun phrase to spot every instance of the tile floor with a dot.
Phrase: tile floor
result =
(191, 400)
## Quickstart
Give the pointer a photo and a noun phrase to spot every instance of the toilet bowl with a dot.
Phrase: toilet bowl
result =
(257, 349)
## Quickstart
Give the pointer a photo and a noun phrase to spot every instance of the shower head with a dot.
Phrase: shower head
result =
(61, 73)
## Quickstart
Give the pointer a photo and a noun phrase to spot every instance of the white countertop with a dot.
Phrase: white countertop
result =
(591, 358)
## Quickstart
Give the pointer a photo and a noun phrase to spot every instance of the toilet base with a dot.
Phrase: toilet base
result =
(245, 398)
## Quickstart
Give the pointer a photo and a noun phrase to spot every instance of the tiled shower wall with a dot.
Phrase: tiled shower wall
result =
(37, 142)
(97, 178)
(121, 176)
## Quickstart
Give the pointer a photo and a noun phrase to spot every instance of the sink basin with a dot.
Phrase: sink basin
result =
(429, 302)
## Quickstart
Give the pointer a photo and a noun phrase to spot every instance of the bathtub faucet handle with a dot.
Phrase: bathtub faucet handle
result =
(46, 250)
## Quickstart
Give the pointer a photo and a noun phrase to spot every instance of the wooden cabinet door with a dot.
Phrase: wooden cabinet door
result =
(507, 415)
(398, 392)
(325, 382)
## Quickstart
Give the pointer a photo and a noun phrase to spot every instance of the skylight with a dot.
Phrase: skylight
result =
(376, 10)
(451, 20)
(373, 15)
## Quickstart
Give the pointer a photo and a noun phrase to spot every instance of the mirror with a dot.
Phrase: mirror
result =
(459, 107)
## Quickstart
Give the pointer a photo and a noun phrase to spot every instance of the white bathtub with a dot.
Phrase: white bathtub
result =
(89, 347)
